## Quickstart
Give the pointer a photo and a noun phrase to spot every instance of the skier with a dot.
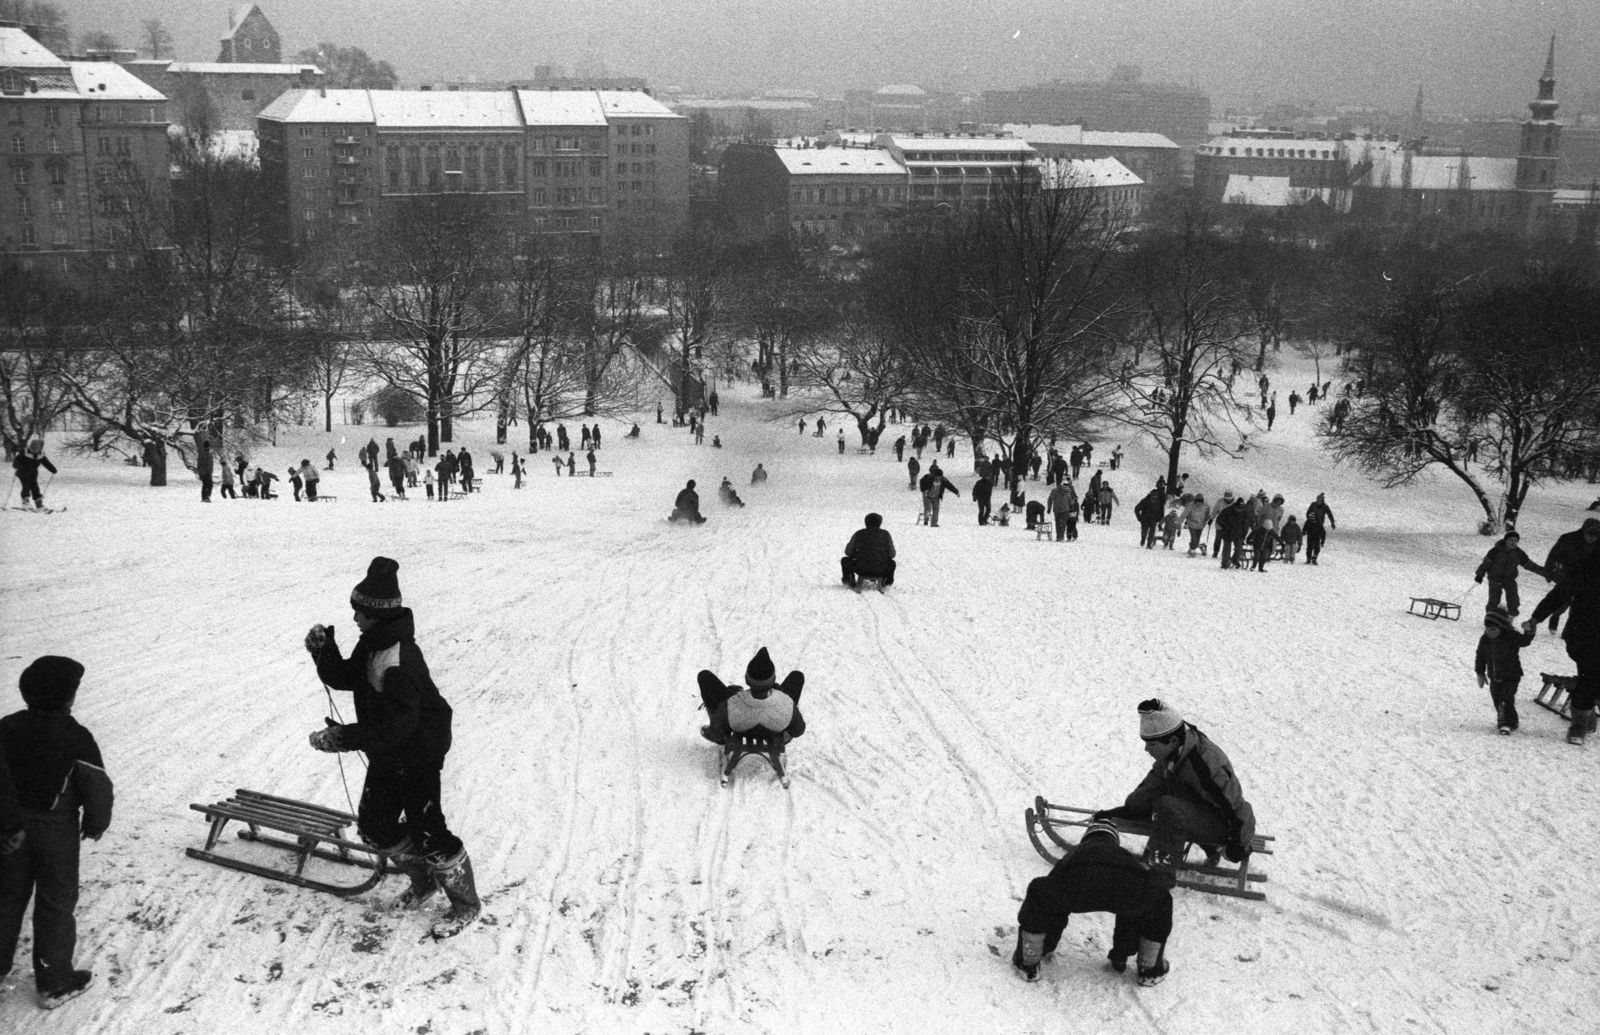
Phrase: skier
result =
(1189, 795)
(403, 725)
(686, 507)
(27, 464)
(1098, 876)
(752, 709)
(869, 553)
(1498, 666)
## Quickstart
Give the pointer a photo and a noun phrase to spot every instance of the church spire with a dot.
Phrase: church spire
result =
(1544, 106)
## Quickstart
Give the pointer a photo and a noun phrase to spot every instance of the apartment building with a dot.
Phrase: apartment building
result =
(950, 171)
(1149, 156)
(836, 193)
(84, 142)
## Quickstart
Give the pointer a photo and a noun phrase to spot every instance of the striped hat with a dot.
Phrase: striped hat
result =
(379, 593)
(1156, 720)
(1102, 828)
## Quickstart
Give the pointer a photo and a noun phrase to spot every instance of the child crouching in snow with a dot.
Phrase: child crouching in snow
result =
(1498, 666)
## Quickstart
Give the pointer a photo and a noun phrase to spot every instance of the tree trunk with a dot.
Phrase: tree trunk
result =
(155, 454)
(327, 413)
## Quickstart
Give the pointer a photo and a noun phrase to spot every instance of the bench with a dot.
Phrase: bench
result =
(316, 831)
(740, 745)
(1432, 609)
(1556, 694)
(1233, 880)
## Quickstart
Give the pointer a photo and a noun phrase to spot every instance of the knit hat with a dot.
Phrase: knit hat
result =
(1156, 720)
(1591, 524)
(50, 682)
(759, 673)
(1102, 828)
(1228, 495)
(874, 520)
(1496, 617)
(378, 594)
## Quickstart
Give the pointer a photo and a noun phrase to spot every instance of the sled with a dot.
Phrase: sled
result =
(327, 499)
(922, 518)
(1225, 878)
(869, 582)
(1556, 694)
(739, 745)
(316, 831)
(1432, 609)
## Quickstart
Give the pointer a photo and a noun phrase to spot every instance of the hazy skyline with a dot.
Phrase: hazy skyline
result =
(1477, 57)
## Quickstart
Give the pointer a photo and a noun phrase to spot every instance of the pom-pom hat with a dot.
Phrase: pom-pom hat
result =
(759, 674)
(379, 593)
(1157, 720)
(50, 683)
(1496, 618)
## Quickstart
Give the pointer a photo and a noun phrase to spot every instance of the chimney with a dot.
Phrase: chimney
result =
(307, 77)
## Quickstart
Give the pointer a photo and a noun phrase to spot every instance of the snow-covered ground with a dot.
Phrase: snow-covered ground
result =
(1429, 875)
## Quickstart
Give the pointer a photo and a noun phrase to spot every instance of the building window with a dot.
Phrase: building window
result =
(24, 205)
(637, 130)
(510, 166)
(52, 115)
(18, 145)
(622, 168)
(305, 131)
(308, 152)
(649, 149)
(58, 173)
(19, 175)
(28, 235)
(124, 145)
(247, 95)
(59, 235)
(536, 168)
(58, 205)
(596, 168)
(537, 196)
(308, 173)
(594, 195)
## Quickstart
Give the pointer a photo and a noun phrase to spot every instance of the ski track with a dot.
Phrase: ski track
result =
(1429, 876)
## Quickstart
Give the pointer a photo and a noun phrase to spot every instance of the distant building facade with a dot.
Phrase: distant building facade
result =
(1122, 103)
(1150, 156)
(251, 39)
(589, 163)
(951, 171)
(836, 193)
(84, 142)
(1116, 192)
(214, 97)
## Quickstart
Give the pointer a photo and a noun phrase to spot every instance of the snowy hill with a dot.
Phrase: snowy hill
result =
(1429, 876)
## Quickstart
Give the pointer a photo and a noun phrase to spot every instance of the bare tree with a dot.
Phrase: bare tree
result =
(157, 38)
(605, 321)
(777, 290)
(1191, 330)
(856, 367)
(544, 364)
(40, 332)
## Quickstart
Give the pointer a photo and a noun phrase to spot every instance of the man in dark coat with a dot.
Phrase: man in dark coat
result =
(1579, 589)
(982, 489)
(687, 506)
(753, 708)
(1232, 524)
(869, 553)
(403, 725)
(1148, 513)
(1316, 514)
(1098, 876)
(205, 466)
(1568, 550)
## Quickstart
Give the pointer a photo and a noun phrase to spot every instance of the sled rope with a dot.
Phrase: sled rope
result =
(339, 755)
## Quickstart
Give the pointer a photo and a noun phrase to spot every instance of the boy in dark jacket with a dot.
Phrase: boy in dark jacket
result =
(1498, 666)
(403, 725)
(1098, 876)
(27, 464)
(869, 553)
(1500, 564)
(56, 767)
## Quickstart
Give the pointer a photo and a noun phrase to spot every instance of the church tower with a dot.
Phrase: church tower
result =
(1540, 152)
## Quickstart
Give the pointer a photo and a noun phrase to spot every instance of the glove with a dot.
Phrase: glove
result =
(1478, 579)
(330, 738)
(12, 842)
(1236, 851)
(1483, 680)
(318, 638)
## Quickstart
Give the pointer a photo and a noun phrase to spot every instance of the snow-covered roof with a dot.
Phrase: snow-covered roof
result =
(428, 109)
(237, 16)
(900, 90)
(106, 80)
(320, 106)
(1036, 133)
(724, 104)
(19, 50)
(633, 104)
(238, 68)
(561, 107)
(1442, 172)
(992, 145)
(1274, 147)
(1087, 172)
(833, 161)
(1270, 192)
(1586, 197)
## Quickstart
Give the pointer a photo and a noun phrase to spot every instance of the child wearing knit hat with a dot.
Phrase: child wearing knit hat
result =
(1498, 665)
(754, 707)
(57, 770)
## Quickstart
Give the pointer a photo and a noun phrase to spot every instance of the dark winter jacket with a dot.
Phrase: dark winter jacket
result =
(1099, 876)
(1579, 589)
(1318, 512)
(1200, 773)
(688, 502)
(1234, 521)
(27, 466)
(400, 717)
(1502, 561)
(10, 811)
(1497, 655)
(872, 549)
(982, 489)
(934, 486)
(1148, 509)
(56, 766)
(1568, 551)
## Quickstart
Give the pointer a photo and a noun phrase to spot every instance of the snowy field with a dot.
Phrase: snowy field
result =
(1429, 875)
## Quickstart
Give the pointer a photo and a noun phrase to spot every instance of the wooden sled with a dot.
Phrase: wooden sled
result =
(1232, 880)
(311, 826)
(741, 744)
(1432, 609)
(864, 582)
(1556, 694)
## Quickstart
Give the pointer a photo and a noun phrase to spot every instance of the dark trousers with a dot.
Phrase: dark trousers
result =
(1509, 588)
(1315, 534)
(714, 694)
(1230, 550)
(227, 491)
(401, 802)
(205, 488)
(1503, 692)
(1061, 525)
(1044, 912)
(311, 491)
(1261, 540)
(849, 572)
(30, 487)
(1178, 820)
(44, 869)
(1587, 657)
(1072, 527)
(983, 512)
(1194, 539)
(1147, 534)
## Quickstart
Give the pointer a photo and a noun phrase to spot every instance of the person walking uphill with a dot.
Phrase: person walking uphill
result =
(57, 770)
(403, 725)
(1498, 667)
(1578, 588)
(1316, 514)
(934, 485)
(1098, 876)
(1500, 565)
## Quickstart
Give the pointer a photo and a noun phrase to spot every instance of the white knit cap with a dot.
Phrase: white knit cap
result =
(1156, 720)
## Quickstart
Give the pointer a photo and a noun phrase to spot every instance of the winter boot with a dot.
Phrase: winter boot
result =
(1030, 949)
(77, 983)
(424, 885)
(456, 877)
(1152, 962)
(1119, 962)
(1579, 730)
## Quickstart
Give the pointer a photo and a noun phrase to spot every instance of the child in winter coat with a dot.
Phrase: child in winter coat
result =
(1500, 564)
(427, 480)
(1291, 536)
(1169, 527)
(1498, 666)
(58, 773)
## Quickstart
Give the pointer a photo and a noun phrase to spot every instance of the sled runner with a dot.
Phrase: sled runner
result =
(1225, 878)
(1556, 694)
(868, 582)
(741, 744)
(1432, 609)
(310, 826)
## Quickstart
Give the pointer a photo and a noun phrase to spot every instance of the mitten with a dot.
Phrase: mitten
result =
(329, 738)
(318, 638)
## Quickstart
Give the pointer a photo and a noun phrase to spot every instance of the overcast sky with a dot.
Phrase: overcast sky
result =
(1475, 55)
